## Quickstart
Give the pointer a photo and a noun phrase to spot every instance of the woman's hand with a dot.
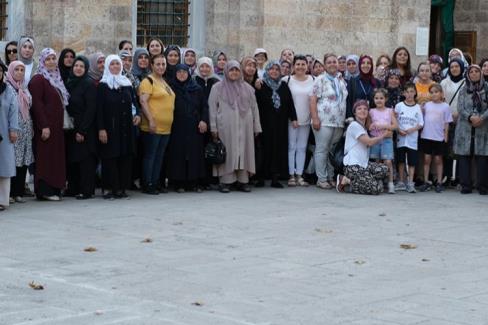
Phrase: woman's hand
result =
(152, 126)
(13, 136)
(258, 84)
(316, 123)
(202, 127)
(79, 137)
(102, 136)
(136, 120)
(294, 124)
(46, 133)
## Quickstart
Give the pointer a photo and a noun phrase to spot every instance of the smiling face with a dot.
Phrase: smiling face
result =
(11, 52)
(155, 47)
(143, 61)
(379, 99)
(79, 68)
(50, 62)
(435, 94)
(173, 57)
(366, 66)
(27, 50)
(190, 58)
(234, 74)
(204, 70)
(127, 62)
(300, 67)
(484, 68)
(361, 113)
(274, 72)
(250, 68)
(393, 81)
(384, 62)
(317, 69)
(424, 72)
(351, 66)
(19, 73)
(221, 61)
(455, 69)
(287, 55)
(159, 66)
(331, 65)
(285, 68)
(115, 67)
(182, 75)
(401, 58)
(260, 58)
(68, 60)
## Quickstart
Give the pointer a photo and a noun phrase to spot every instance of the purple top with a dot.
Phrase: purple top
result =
(436, 115)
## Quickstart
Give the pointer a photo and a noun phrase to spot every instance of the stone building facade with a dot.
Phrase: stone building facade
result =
(307, 26)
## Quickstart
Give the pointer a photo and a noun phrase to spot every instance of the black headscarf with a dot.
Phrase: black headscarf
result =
(64, 70)
(170, 73)
(461, 65)
(73, 81)
(136, 70)
(183, 88)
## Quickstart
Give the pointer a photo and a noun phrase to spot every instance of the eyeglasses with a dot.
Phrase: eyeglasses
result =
(12, 51)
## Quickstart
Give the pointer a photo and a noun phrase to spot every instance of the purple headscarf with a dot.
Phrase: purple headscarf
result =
(54, 76)
(236, 93)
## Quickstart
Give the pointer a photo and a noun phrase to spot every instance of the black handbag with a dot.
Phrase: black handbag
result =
(336, 156)
(215, 152)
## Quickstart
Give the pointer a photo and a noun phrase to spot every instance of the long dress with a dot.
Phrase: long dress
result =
(236, 130)
(185, 149)
(274, 122)
(47, 112)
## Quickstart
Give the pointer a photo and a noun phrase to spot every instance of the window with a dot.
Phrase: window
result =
(167, 20)
(3, 19)
(466, 42)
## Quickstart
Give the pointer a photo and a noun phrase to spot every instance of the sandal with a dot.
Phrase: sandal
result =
(2, 208)
(301, 181)
(292, 181)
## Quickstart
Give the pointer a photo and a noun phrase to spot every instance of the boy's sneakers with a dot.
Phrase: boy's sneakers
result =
(391, 188)
(425, 187)
(400, 186)
(411, 187)
(439, 188)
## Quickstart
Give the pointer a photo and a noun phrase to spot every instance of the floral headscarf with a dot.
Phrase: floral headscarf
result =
(274, 84)
(54, 76)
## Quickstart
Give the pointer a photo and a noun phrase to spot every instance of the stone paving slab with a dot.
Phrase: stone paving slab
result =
(271, 257)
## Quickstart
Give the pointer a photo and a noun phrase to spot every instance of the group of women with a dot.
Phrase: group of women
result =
(144, 116)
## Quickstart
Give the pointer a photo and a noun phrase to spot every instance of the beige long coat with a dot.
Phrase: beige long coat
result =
(236, 130)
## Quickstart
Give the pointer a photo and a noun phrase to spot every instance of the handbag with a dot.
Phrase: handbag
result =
(215, 152)
(336, 156)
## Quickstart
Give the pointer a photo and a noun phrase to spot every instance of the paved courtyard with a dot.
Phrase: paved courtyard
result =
(272, 257)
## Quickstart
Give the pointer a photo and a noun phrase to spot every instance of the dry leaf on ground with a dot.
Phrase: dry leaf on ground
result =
(382, 214)
(408, 246)
(359, 262)
(98, 312)
(147, 240)
(36, 286)
(323, 231)
(90, 249)
(425, 260)
(197, 303)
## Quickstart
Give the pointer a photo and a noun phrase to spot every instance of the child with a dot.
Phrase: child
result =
(383, 119)
(410, 121)
(424, 81)
(434, 136)
(436, 63)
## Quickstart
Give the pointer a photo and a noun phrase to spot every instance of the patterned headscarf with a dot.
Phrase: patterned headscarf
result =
(24, 96)
(54, 76)
(475, 88)
(274, 84)
(114, 81)
(236, 93)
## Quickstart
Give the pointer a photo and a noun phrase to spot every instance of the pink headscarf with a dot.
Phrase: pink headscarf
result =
(54, 76)
(24, 97)
(236, 93)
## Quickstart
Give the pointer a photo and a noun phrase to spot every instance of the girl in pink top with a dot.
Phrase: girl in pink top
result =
(383, 120)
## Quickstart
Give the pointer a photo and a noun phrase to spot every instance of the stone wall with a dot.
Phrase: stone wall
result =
(472, 15)
(315, 26)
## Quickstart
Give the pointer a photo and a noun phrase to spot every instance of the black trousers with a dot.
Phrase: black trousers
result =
(81, 176)
(481, 172)
(116, 173)
(17, 183)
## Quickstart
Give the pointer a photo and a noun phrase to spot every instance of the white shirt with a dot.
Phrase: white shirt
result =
(300, 91)
(28, 73)
(449, 88)
(408, 117)
(355, 152)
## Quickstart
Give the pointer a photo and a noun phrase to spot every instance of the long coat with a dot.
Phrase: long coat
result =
(185, 149)
(48, 112)
(114, 115)
(206, 84)
(236, 130)
(8, 122)
(462, 137)
(274, 123)
(83, 108)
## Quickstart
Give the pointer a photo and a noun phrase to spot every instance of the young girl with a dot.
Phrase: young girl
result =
(434, 137)
(410, 121)
(424, 81)
(436, 63)
(383, 120)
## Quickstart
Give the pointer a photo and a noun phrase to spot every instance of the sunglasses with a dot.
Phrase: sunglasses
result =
(13, 51)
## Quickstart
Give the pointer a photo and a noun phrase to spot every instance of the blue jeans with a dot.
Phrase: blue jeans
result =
(154, 148)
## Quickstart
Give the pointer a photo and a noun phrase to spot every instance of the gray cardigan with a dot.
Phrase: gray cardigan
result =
(462, 138)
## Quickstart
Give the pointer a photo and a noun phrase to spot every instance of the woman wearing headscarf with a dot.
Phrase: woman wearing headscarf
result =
(26, 55)
(65, 63)
(219, 60)
(342, 59)
(484, 68)
(455, 53)
(173, 56)
(23, 146)
(401, 60)
(436, 64)
(126, 58)
(362, 86)
(352, 67)
(81, 146)
(115, 119)
(276, 109)
(186, 155)
(471, 137)
(49, 99)
(234, 118)
(97, 64)
(10, 52)
(9, 129)
(189, 57)
(140, 66)
(249, 68)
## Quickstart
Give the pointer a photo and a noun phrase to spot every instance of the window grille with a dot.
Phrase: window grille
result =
(3, 19)
(167, 20)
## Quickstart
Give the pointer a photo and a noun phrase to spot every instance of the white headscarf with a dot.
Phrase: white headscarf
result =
(114, 81)
(209, 62)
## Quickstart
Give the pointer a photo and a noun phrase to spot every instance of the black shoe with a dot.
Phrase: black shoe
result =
(483, 192)
(425, 187)
(109, 196)
(466, 191)
(259, 183)
(243, 187)
(121, 195)
(276, 184)
(150, 190)
(224, 188)
(83, 197)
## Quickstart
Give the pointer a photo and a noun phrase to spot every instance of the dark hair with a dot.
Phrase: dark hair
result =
(123, 42)
(468, 57)
(408, 85)
(157, 56)
(285, 61)
(436, 86)
(386, 56)
(328, 55)
(7, 61)
(299, 57)
(482, 62)
(157, 40)
(424, 63)
(394, 64)
(381, 90)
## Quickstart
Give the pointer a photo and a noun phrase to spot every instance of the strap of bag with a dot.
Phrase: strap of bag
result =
(455, 94)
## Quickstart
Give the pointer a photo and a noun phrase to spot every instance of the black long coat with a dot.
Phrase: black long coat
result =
(274, 123)
(206, 84)
(83, 109)
(114, 114)
(186, 145)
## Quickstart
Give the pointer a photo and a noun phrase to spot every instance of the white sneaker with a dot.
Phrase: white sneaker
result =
(391, 188)
(411, 188)
(400, 186)
(51, 198)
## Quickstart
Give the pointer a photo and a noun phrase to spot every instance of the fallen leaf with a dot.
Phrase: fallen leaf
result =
(425, 260)
(359, 262)
(147, 240)
(408, 246)
(98, 312)
(350, 275)
(36, 286)
(179, 223)
(382, 214)
(323, 231)
(197, 303)
(90, 249)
